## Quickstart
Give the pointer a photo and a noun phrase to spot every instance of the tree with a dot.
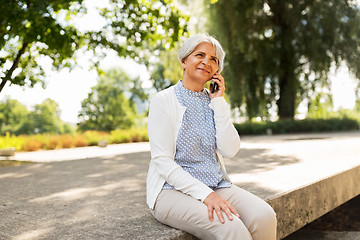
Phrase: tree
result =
(12, 116)
(357, 101)
(321, 106)
(167, 71)
(107, 108)
(279, 50)
(15, 118)
(45, 118)
(38, 29)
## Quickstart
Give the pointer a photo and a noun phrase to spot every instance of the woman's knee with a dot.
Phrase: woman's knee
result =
(267, 215)
(234, 229)
(264, 211)
(264, 222)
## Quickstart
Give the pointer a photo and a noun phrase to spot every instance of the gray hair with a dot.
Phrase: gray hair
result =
(191, 43)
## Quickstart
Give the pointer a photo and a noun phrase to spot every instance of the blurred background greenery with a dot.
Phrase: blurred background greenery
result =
(280, 55)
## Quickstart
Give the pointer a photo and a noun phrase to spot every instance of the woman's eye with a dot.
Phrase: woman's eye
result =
(199, 54)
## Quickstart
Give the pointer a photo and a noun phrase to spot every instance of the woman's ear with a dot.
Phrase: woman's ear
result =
(183, 64)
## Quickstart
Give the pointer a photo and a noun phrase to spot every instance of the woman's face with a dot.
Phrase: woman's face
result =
(201, 64)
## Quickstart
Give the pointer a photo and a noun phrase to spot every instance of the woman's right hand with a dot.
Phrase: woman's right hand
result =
(214, 202)
(219, 79)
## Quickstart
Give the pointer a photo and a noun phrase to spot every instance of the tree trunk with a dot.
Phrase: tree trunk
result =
(14, 66)
(287, 77)
(287, 83)
(3, 82)
(286, 102)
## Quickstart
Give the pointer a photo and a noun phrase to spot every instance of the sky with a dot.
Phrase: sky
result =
(68, 89)
(343, 86)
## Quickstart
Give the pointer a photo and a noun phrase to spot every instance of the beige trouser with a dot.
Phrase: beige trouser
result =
(257, 219)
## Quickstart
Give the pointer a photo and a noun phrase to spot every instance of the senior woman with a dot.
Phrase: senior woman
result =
(190, 130)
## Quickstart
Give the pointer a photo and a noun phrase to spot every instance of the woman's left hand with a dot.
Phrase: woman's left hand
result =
(221, 89)
(216, 203)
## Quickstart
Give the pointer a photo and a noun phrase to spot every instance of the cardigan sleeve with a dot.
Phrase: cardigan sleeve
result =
(227, 138)
(162, 130)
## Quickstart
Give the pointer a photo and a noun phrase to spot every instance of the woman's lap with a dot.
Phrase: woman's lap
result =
(182, 211)
(255, 213)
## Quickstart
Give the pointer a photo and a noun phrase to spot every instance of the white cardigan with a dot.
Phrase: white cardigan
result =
(165, 118)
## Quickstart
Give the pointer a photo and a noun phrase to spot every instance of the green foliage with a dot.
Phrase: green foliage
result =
(106, 108)
(11, 141)
(342, 113)
(68, 128)
(15, 118)
(143, 26)
(357, 106)
(119, 136)
(93, 137)
(32, 30)
(12, 115)
(44, 119)
(281, 51)
(320, 106)
(167, 71)
(298, 126)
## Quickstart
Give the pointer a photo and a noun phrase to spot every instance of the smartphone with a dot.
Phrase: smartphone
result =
(214, 87)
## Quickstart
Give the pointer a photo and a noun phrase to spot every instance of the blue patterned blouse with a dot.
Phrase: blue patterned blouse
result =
(196, 141)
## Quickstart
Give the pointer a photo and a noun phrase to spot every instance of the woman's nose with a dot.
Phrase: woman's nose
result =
(205, 61)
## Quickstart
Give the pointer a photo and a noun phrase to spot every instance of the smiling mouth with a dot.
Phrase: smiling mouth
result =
(203, 70)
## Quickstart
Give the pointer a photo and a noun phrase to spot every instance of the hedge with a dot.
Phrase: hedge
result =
(88, 138)
(298, 126)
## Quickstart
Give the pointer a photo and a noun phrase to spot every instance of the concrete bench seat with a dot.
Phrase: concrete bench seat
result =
(301, 176)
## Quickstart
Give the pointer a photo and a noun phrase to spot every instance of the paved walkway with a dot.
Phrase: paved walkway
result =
(99, 193)
(81, 153)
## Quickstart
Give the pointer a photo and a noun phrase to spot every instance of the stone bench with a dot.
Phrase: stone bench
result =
(301, 206)
(297, 208)
(7, 152)
(301, 176)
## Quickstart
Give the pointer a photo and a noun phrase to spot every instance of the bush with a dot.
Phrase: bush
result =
(139, 135)
(67, 140)
(119, 136)
(298, 126)
(32, 143)
(128, 135)
(80, 141)
(93, 137)
(10, 141)
(52, 142)
(88, 138)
